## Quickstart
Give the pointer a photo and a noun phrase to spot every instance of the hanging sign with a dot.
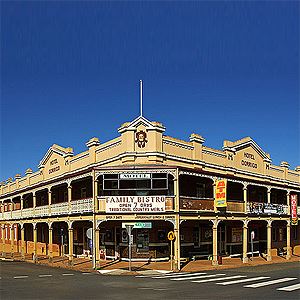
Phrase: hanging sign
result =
(220, 193)
(294, 209)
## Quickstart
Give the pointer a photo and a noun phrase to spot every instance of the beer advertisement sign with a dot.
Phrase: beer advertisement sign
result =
(220, 193)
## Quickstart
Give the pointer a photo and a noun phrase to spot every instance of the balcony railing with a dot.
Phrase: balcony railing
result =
(267, 208)
(77, 206)
(196, 204)
(59, 208)
(189, 203)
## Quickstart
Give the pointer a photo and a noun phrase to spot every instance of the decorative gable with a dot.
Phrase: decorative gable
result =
(141, 122)
(55, 160)
(247, 155)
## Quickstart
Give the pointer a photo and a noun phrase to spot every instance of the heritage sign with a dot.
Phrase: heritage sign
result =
(135, 204)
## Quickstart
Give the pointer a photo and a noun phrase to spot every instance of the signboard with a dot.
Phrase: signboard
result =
(134, 176)
(171, 235)
(294, 209)
(89, 233)
(135, 204)
(124, 236)
(220, 193)
(141, 225)
(237, 234)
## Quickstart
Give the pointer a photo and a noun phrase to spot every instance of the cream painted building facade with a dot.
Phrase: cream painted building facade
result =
(162, 183)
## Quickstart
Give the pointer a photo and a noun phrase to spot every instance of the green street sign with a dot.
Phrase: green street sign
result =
(143, 225)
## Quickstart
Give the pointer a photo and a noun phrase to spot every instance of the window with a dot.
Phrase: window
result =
(200, 190)
(274, 234)
(294, 232)
(83, 192)
(158, 181)
(280, 234)
(53, 197)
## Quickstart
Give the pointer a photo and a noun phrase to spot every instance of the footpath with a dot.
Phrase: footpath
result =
(121, 267)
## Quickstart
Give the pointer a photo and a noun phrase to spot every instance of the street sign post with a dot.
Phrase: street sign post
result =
(129, 226)
(62, 242)
(252, 238)
(171, 237)
(130, 242)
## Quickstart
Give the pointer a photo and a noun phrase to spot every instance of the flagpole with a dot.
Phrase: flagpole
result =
(141, 98)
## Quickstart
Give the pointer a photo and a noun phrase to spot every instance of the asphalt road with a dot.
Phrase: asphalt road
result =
(27, 281)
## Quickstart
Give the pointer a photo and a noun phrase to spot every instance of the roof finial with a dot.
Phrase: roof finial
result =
(141, 98)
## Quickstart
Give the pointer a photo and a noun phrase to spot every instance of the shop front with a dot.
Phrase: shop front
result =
(148, 240)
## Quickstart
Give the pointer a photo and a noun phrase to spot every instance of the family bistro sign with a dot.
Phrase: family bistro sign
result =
(135, 204)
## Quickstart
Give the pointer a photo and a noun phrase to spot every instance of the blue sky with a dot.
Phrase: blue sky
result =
(70, 71)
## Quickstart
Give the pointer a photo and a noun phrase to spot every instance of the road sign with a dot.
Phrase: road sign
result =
(141, 225)
(89, 233)
(171, 235)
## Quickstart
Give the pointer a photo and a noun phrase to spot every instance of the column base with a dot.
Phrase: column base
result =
(269, 258)
(245, 260)
(214, 263)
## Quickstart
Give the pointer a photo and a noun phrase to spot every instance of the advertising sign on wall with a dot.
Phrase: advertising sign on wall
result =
(237, 235)
(294, 209)
(135, 204)
(220, 192)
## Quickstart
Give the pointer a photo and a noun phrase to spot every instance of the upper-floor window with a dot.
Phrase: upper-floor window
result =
(83, 193)
(139, 184)
(131, 182)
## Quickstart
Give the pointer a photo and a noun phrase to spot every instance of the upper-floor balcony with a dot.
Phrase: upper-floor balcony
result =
(64, 208)
(254, 208)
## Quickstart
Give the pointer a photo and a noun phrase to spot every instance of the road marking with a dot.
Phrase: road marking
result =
(198, 277)
(218, 279)
(160, 276)
(290, 288)
(45, 275)
(242, 280)
(256, 285)
(19, 277)
(86, 273)
(177, 275)
(107, 271)
(163, 271)
(67, 274)
(153, 289)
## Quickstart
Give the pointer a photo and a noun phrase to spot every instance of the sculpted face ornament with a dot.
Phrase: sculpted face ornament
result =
(141, 139)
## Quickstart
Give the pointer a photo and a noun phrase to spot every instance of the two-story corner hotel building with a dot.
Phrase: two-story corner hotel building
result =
(167, 184)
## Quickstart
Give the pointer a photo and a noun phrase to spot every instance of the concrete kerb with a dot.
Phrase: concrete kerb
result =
(121, 268)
